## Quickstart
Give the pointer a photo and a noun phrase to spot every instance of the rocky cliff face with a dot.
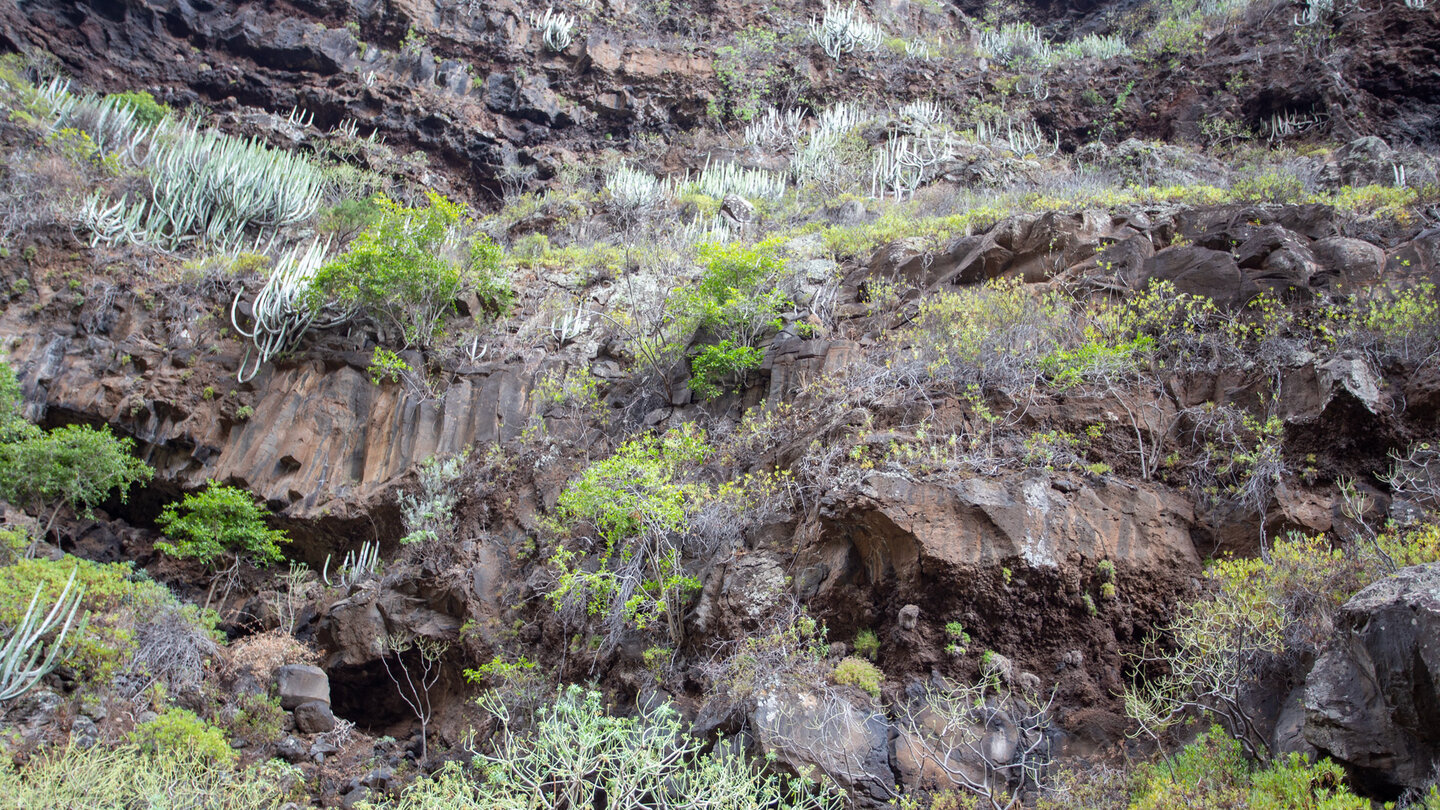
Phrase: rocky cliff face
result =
(1058, 570)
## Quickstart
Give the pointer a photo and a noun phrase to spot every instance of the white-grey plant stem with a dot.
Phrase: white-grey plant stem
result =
(280, 314)
(23, 659)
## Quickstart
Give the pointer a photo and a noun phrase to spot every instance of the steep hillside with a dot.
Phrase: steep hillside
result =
(905, 403)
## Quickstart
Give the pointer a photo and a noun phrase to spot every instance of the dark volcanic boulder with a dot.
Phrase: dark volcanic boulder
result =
(1201, 271)
(1371, 700)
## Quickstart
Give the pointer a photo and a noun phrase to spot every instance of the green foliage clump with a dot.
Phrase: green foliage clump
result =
(75, 465)
(576, 754)
(386, 365)
(637, 500)
(125, 776)
(348, 217)
(867, 644)
(256, 717)
(738, 297)
(1255, 611)
(409, 267)
(958, 637)
(116, 597)
(148, 111)
(180, 730)
(859, 672)
(13, 424)
(724, 360)
(1400, 322)
(220, 521)
(639, 488)
(1214, 772)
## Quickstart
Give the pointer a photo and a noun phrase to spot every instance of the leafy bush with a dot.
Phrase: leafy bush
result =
(61, 779)
(1399, 322)
(578, 755)
(1254, 616)
(348, 217)
(639, 501)
(75, 465)
(386, 365)
(714, 364)
(148, 111)
(409, 267)
(1213, 772)
(859, 672)
(179, 730)
(120, 602)
(220, 521)
(867, 644)
(739, 297)
(13, 424)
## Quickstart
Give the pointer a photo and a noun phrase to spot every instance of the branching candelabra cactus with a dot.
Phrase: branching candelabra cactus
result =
(774, 129)
(355, 568)
(555, 29)
(841, 30)
(23, 659)
(903, 163)
(280, 314)
(720, 180)
(205, 185)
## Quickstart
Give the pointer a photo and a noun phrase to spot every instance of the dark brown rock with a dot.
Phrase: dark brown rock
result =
(1370, 701)
(314, 717)
(1196, 270)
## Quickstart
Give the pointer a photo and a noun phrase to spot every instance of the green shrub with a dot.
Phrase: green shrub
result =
(715, 364)
(348, 217)
(639, 487)
(1213, 772)
(576, 754)
(100, 777)
(386, 365)
(13, 424)
(738, 297)
(639, 501)
(1253, 612)
(220, 521)
(117, 598)
(180, 730)
(409, 267)
(148, 111)
(867, 644)
(75, 465)
(859, 672)
(256, 717)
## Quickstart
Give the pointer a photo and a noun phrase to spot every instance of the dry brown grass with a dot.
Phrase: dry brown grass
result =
(263, 653)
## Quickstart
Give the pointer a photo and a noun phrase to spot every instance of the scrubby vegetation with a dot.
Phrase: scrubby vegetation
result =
(869, 324)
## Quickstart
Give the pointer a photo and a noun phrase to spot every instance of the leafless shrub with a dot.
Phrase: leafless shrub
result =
(790, 647)
(292, 592)
(985, 738)
(416, 678)
(170, 649)
(1415, 474)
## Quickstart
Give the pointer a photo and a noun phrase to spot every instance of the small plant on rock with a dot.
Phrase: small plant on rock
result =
(861, 673)
(867, 644)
